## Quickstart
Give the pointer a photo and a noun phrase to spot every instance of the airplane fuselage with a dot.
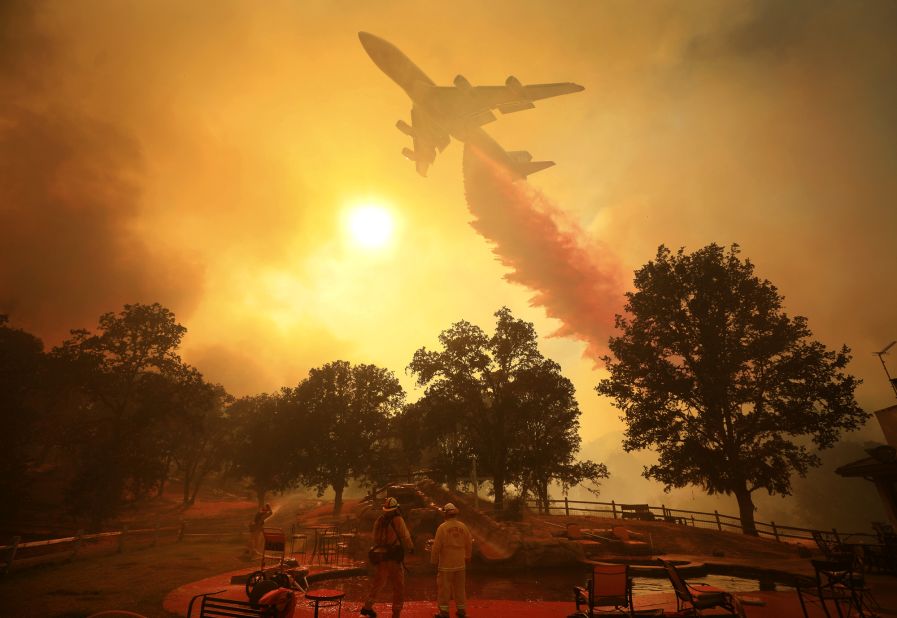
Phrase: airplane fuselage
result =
(440, 113)
(416, 84)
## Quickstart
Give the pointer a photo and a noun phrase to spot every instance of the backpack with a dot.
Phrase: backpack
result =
(394, 552)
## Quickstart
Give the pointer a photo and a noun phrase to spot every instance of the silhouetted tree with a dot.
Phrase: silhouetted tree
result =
(194, 431)
(266, 443)
(711, 372)
(545, 448)
(432, 431)
(110, 429)
(349, 408)
(22, 365)
(483, 389)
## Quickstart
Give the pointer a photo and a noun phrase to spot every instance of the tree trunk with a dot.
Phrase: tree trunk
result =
(543, 496)
(451, 479)
(524, 491)
(498, 486)
(338, 500)
(746, 511)
(164, 478)
(200, 477)
(188, 478)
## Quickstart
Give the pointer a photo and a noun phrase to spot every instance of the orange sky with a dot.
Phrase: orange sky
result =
(202, 155)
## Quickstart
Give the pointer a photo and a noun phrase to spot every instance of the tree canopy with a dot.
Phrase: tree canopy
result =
(267, 442)
(22, 369)
(495, 396)
(711, 372)
(112, 375)
(348, 409)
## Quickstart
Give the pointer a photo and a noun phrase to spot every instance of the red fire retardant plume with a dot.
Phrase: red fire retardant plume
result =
(577, 280)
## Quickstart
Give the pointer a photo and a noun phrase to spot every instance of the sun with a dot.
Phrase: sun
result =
(370, 226)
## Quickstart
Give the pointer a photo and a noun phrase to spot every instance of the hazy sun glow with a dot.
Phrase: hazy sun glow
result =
(370, 225)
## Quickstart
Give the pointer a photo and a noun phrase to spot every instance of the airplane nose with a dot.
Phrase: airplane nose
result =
(367, 39)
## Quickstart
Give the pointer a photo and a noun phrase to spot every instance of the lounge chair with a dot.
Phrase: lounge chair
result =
(693, 598)
(632, 542)
(610, 587)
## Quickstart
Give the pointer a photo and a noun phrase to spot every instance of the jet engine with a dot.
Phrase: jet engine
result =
(514, 85)
(521, 103)
(405, 128)
(462, 84)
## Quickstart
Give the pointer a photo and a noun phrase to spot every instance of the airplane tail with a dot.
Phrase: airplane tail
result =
(531, 167)
(524, 165)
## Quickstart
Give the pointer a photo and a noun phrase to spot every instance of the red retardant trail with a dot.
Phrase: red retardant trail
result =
(577, 280)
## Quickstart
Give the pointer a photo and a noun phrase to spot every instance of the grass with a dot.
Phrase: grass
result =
(136, 580)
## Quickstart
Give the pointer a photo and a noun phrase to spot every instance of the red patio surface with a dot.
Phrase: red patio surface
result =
(783, 604)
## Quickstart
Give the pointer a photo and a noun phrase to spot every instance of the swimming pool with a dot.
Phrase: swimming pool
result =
(532, 585)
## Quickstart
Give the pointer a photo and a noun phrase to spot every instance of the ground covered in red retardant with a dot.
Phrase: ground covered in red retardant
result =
(759, 604)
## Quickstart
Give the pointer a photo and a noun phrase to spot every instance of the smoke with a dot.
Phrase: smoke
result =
(70, 193)
(576, 279)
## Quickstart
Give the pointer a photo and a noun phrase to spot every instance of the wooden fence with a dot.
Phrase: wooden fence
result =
(69, 548)
(700, 519)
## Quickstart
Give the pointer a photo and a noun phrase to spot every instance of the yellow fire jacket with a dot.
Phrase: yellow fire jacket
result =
(452, 546)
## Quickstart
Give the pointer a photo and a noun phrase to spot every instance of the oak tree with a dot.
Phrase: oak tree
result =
(729, 389)
(265, 442)
(112, 373)
(349, 408)
(495, 394)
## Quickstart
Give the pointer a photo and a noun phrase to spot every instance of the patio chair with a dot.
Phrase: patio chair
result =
(830, 545)
(693, 598)
(833, 581)
(884, 531)
(887, 539)
(610, 586)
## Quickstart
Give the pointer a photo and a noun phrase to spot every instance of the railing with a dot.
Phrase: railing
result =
(69, 548)
(700, 519)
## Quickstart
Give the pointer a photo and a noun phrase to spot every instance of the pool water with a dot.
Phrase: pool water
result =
(541, 585)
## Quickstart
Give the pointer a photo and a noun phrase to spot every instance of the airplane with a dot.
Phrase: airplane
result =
(440, 113)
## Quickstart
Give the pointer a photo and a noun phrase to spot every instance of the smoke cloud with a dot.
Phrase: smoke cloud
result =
(70, 191)
(576, 279)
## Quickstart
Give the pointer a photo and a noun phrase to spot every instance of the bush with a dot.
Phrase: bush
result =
(513, 511)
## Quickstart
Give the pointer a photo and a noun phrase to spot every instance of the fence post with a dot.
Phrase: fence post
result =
(76, 547)
(692, 521)
(121, 539)
(566, 506)
(613, 508)
(11, 554)
(775, 531)
(181, 531)
(718, 524)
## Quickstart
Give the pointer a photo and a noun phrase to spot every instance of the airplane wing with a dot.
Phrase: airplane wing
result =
(494, 97)
(474, 101)
(426, 138)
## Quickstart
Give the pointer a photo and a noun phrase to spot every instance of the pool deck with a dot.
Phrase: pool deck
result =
(757, 604)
